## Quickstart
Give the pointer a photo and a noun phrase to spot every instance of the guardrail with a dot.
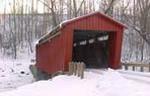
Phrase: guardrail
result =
(134, 66)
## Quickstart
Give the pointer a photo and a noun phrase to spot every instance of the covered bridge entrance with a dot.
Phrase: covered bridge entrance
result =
(94, 39)
(91, 47)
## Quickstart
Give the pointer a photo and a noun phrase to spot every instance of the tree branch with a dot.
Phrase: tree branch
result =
(109, 7)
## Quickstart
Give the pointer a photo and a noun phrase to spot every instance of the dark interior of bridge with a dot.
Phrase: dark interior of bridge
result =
(91, 47)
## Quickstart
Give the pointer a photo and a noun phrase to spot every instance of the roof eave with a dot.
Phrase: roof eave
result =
(50, 33)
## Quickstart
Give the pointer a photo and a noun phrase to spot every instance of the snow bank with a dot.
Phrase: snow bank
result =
(110, 83)
(114, 84)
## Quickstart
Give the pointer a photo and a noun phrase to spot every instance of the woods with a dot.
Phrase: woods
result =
(22, 22)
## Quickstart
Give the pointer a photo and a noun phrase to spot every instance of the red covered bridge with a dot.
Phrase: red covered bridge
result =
(94, 39)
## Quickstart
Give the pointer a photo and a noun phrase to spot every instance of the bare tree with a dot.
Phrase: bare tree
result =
(142, 20)
(51, 5)
(109, 9)
(76, 9)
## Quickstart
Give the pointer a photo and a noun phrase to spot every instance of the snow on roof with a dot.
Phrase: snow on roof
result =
(62, 24)
(90, 14)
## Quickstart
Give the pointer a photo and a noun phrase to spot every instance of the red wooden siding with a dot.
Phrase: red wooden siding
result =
(52, 55)
(55, 55)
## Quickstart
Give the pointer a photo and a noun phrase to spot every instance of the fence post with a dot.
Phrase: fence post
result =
(71, 68)
(126, 67)
(82, 70)
(75, 68)
(142, 69)
(149, 67)
(78, 69)
(133, 68)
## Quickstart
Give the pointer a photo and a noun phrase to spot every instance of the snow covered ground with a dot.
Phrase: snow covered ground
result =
(17, 80)
(103, 83)
(15, 73)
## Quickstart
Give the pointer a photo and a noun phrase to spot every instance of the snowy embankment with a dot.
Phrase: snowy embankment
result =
(108, 83)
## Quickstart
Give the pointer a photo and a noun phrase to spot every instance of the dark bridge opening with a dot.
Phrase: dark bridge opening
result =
(91, 47)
